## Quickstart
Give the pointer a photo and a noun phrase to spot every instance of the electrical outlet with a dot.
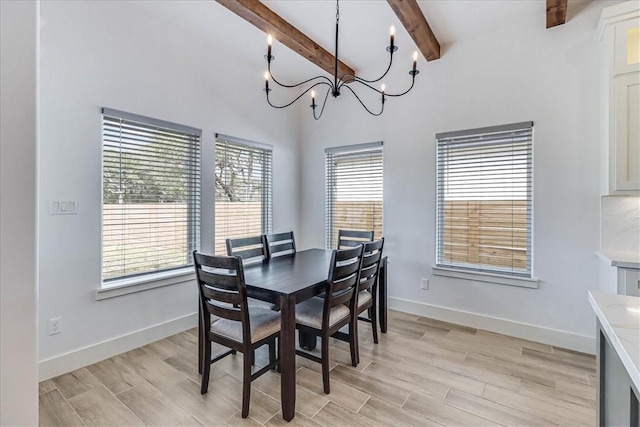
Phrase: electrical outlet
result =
(425, 284)
(55, 325)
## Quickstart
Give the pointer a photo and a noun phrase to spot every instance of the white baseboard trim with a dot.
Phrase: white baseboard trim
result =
(76, 359)
(559, 338)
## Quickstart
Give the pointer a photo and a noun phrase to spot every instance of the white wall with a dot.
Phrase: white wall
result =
(121, 55)
(517, 73)
(18, 257)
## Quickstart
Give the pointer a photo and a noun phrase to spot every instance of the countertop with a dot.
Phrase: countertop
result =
(619, 316)
(621, 259)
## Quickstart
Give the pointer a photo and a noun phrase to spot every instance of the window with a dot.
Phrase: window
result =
(484, 200)
(243, 189)
(353, 198)
(150, 195)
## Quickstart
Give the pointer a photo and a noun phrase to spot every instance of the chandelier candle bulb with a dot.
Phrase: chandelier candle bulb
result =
(266, 80)
(269, 43)
(415, 59)
(392, 34)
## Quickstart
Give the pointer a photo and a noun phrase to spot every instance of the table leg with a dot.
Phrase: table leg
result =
(288, 357)
(382, 296)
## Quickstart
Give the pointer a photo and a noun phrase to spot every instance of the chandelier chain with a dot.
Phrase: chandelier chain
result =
(337, 12)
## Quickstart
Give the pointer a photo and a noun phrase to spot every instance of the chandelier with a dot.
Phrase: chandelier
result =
(339, 83)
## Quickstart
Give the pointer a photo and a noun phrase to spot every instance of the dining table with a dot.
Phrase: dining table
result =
(286, 281)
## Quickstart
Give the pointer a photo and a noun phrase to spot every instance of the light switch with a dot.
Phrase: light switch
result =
(66, 207)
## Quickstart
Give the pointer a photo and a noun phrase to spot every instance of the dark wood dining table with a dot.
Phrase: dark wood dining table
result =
(287, 281)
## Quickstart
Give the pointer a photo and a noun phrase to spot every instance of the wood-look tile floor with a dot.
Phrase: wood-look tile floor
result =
(423, 372)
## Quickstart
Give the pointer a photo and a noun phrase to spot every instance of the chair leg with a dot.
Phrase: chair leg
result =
(253, 357)
(374, 323)
(325, 364)
(272, 352)
(353, 341)
(206, 365)
(246, 382)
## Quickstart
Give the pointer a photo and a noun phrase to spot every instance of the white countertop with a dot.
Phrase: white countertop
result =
(620, 259)
(619, 316)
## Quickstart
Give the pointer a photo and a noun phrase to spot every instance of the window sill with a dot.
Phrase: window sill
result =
(500, 279)
(131, 285)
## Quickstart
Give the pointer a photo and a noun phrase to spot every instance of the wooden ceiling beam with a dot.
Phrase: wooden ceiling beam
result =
(409, 13)
(556, 12)
(256, 13)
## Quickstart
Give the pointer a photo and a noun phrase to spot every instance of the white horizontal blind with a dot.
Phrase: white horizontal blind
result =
(151, 195)
(484, 199)
(354, 195)
(243, 190)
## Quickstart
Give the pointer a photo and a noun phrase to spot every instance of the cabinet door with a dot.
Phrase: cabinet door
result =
(626, 156)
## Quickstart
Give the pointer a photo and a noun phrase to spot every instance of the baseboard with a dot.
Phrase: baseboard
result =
(76, 359)
(559, 338)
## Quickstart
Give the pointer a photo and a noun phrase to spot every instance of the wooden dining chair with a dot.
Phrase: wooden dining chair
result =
(251, 249)
(248, 248)
(325, 316)
(353, 238)
(237, 326)
(280, 244)
(368, 288)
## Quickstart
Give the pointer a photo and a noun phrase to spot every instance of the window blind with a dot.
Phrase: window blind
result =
(354, 194)
(151, 194)
(484, 199)
(243, 176)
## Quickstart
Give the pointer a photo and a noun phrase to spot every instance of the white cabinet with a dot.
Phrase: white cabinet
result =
(629, 281)
(619, 36)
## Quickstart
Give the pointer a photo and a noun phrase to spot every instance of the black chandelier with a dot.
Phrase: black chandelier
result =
(343, 82)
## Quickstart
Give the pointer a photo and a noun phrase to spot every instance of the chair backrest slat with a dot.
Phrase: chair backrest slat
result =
(222, 296)
(353, 238)
(225, 312)
(222, 289)
(280, 244)
(248, 248)
(223, 281)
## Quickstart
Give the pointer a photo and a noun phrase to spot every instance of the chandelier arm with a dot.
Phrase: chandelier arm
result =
(297, 84)
(326, 96)
(413, 82)
(361, 80)
(362, 103)
(298, 97)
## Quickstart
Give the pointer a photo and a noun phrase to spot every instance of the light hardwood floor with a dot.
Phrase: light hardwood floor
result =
(423, 372)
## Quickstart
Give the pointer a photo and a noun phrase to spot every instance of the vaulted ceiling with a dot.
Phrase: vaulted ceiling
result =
(364, 26)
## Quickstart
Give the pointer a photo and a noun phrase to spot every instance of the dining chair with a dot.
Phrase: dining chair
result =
(352, 238)
(248, 248)
(368, 288)
(280, 244)
(325, 316)
(237, 326)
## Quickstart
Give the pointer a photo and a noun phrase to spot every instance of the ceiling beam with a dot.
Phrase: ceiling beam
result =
(256, 13)
(409, 13)
(556, 12)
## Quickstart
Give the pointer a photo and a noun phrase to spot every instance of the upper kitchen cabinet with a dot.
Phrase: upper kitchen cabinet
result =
(619, 37)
